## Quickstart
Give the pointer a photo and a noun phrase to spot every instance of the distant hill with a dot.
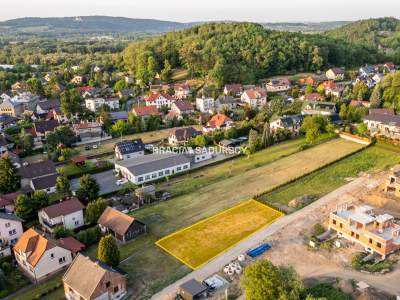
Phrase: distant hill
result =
(383, 33)
(85, 25)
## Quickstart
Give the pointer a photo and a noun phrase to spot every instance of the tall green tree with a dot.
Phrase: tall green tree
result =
(94, 210)
(10, 181)
(376, 97)
(253, 141)
(63, 186)
(35, 86)
(264, 281)
(70, 102)
(88, 188)
(108, 251)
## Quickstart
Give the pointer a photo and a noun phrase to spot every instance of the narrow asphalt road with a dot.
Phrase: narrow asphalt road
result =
(219, 262)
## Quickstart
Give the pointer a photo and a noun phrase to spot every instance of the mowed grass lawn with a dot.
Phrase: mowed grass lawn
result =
(201, 242)
(378, 157)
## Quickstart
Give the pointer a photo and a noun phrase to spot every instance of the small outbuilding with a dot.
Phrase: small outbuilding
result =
(192, 290)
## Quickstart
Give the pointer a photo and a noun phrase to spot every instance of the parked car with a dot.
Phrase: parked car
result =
(87, 148)
(121, 181)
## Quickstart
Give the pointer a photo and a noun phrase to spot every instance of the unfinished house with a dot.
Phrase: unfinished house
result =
(392, 185)
(377, 233)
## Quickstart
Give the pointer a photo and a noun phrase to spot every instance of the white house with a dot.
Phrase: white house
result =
(68, 214)
(94, 104)
(10, 232)
(383, 124)
(292, 123)
(129, 149)
(159, 100)
(335, 74)
(205, 104)
(277, 85)
(152, 167)
(255, 97)
(39, 257)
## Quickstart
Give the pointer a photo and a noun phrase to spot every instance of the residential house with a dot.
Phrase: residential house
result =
(383, 124)
(27, 100)
(118, 116)
(276, 85)
(292, 123)
(319, 108)
(89, 132)
(90, 92)
(94, 104)
(90, 279)
(312, 80)
(129, 149)
(45, 106)
(156, 88)
(312, 97)
(182, 135)
(182, 90)
(336, 74)
(159, 100)
(40, 257)
(152, 167)
(10, 231)
(205, 104)
(67, 213)
(192, 290)
(39, 176)
(7, 202)
(378, 233)
(226, 103)
(367, 71)
(126, 93)
(42, 128)
(234, 90)
(255, 97)
(218, 121)
(377, 78)
(129, 79)
(7, 121)
(10, 108)
(122, 226)
(15, 159)
(182, 107)
(146, 111)
(6, 143)
(390, 67)
(359, 103)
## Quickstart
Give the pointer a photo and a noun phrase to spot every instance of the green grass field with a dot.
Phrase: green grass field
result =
(378, 157)
(197, 244)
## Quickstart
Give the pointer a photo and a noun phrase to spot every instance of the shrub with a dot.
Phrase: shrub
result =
(370, 266)
(325, 291)
(61, 232)
(89, 236)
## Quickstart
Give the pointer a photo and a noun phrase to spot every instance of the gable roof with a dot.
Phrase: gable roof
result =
(337, 71)
(49, 104)
(71, 244)
(46, 126)
(382, 111)
(183, 134)
(63, 208)
(154, 96)
(183, 105)
(235, 88)
(44, 182)
(85, 274)
(256, 93)
(127, 147)
(10, 217)
(115, 220)
(279, 81)
(38, 169)
(145, 111)
(218, 120)
(31, 241)
(8, 199)
(392, 120)
(313, 97)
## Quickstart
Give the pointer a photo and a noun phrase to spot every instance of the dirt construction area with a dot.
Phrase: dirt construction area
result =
(290, 243)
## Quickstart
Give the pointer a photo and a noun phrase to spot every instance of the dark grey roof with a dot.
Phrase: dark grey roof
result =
(193, 287)
(5, 119)
(368, 69)
(45, 126)
(118, 115)
(290, 121)
(49, 104)
(38, 169)
(44, 182)
(384, 118)
(127, 147)
(183, 134)
(154, 162)
(8, 216)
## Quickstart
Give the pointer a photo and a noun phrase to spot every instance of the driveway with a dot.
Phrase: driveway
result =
(106, 181)
(283, 225)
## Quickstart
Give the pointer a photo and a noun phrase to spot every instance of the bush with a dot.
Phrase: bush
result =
(370, 266)
(89, 236)
(325, 291)
(61, 232)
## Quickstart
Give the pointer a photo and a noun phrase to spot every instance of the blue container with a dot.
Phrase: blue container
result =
(259, 250)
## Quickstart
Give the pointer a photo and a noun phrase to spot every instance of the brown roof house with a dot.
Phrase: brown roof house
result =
(68, 214)
(40, 257)
(89, 279)
(123, 227)
(182, 107)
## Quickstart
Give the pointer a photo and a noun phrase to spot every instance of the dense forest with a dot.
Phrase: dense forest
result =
(241, 52)
(382, 34)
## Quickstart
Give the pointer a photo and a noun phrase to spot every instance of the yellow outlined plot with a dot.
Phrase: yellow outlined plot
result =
(203, 241)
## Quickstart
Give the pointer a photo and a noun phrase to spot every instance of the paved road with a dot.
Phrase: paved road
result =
(218, 263)
(106, 181)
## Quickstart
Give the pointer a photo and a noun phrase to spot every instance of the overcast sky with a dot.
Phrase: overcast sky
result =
(204, 10)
